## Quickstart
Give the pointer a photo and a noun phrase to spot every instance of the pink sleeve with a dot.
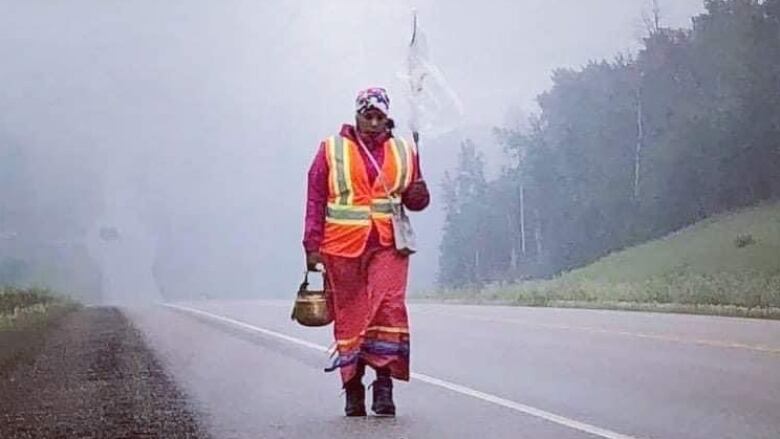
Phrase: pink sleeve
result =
(316, 202)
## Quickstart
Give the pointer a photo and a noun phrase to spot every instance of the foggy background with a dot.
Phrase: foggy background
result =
(166, 144)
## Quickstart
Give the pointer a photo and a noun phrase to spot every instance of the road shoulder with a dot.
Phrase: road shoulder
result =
(93, 377)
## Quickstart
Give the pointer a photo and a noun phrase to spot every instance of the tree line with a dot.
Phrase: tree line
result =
(625, 150)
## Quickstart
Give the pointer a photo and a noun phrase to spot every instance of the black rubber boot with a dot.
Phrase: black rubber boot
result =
(355, 395)
(382, 404)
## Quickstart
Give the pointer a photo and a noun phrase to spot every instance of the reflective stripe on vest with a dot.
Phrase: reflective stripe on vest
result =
(360, 215)
(349, 215)
(402, 163)
(341, 180)
(381, 207)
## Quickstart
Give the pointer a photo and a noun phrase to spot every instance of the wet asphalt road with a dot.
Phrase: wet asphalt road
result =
(483, 372)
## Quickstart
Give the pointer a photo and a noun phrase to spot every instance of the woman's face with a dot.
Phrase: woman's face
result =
(372, 121)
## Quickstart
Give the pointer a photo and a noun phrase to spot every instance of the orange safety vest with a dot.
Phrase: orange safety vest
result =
(354, 205)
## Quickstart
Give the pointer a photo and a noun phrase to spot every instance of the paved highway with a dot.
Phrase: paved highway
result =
(487, 372)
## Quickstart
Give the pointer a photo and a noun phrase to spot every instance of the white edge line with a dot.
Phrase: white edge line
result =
(552, 417)
(249, 327)
(457, 388)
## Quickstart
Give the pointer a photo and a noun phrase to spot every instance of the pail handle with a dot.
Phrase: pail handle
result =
(304, 288)
(305, 284)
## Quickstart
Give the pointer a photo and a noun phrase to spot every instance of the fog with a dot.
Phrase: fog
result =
(171, 140)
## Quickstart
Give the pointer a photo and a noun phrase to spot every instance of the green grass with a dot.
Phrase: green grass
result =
(12, 298)
(27, 316)
(19, 306)
(728, 264)
(706, 248)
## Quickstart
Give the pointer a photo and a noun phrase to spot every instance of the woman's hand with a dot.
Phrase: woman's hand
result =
(313, 260)
(416, 197)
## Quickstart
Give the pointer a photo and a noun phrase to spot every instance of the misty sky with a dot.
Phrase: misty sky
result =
(196, 121)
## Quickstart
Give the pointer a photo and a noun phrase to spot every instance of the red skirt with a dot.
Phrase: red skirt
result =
(368, 299)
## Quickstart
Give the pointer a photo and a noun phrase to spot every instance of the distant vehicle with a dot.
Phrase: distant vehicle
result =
(109, 234)
(8, 235)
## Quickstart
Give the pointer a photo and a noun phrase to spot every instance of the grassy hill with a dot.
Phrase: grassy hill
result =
(728, 264)
(747, 241)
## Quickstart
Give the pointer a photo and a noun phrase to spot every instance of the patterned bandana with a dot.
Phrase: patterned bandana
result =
(375, 97)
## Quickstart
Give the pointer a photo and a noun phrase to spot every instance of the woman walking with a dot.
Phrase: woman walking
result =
(357, 180)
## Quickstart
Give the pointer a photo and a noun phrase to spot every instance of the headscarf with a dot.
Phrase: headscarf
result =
(374, 97)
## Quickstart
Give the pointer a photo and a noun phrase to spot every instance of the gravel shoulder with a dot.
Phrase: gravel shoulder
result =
(91, 376)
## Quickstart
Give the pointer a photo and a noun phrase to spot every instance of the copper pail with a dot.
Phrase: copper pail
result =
(311, 307)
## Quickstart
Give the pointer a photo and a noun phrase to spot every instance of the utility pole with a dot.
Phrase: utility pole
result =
(639, 138)
(538, 234)
(522, 219)
(513, 253)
